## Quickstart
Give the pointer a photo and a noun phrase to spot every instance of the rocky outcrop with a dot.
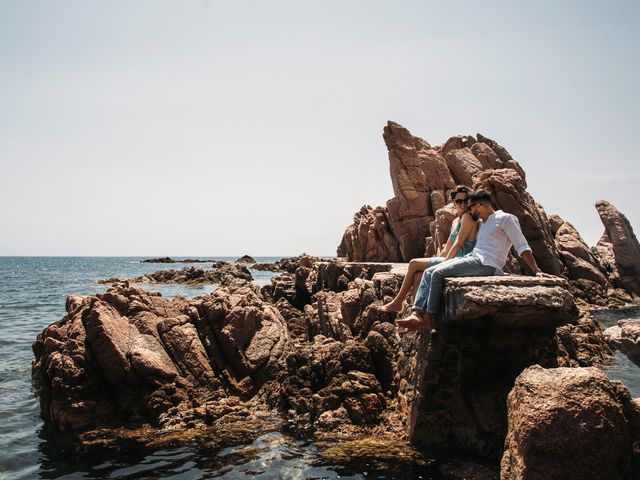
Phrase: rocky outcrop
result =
(454, 390)
(625, 336)
(222, 273)
(370, 238)
(570, 423)
(246, 259)
(131, 356)
(171, 260)
(624, 244)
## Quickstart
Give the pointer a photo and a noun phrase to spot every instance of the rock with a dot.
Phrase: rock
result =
(456, 142)
(222, 273)
(626, 249)
(581, 343)
(440, 228)
(569, 423)
(580, 261)
(509, 193)
(504, 156)
(323, 377)
(463, 165)
(453, 384)
(159, 260)
(129, 356)
(370, 238)
(625, 336)
(507, 300)
(246, 259)
(416, 170)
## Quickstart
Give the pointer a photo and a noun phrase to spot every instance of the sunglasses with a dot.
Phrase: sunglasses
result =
(459, 201)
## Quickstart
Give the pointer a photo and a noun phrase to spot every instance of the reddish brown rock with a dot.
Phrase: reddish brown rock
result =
(416, 170)
(569, 423)
(370, 238)
(463, 165)
(246, 259)
(624, 244)
(581, 343)
(509, 194)
(128, 356)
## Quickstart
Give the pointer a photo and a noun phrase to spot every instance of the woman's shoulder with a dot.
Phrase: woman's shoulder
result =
(467, 218)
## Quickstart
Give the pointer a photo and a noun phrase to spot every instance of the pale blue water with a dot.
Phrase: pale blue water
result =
(32, 295)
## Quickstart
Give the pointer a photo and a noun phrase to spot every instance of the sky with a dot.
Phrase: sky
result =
(214, 128)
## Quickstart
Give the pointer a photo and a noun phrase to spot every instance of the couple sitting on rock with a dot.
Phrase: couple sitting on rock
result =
(473, 249)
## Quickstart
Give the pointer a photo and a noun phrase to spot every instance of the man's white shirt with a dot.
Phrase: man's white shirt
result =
(495, 237)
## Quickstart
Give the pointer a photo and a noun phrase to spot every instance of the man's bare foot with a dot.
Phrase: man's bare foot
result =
(391, 307)
(414, 322)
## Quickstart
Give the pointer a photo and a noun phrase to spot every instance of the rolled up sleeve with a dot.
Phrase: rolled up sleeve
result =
(511, 227)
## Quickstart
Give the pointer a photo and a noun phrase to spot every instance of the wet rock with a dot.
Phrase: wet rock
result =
(625, 336)
(624, 244)
(569, 423)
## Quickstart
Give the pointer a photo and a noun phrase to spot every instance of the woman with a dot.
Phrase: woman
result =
(462, 239)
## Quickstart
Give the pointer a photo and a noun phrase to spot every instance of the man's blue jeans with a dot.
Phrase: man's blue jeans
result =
(430, 289)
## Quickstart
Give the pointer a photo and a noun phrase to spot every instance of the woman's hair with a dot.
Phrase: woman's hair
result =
(459, 189)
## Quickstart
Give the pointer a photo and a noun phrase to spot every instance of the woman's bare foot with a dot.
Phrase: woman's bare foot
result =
(391, 307)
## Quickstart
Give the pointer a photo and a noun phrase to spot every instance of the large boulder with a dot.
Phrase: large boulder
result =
(624, 244)
(570, 423)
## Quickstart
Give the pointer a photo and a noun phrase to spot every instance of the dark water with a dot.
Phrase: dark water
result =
(32, 295)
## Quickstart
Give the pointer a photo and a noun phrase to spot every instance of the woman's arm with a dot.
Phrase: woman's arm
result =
(466, 227)
(444, 250)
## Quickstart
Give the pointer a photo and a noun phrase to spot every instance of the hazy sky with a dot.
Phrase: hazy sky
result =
(232, 127)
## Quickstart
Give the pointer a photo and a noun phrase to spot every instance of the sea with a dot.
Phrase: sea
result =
(32, 295)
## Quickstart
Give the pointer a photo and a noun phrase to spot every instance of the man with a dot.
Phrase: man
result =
(499, 231)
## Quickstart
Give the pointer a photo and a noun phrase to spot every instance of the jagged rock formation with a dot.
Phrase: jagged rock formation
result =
(416, 221)
(623, 243)
(422, 177)
(131, 356)
(625, 336)
(571, 423)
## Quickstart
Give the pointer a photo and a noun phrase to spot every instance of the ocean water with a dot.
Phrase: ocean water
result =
(32, 295)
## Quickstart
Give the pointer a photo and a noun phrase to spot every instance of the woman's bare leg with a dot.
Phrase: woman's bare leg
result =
(416, 266)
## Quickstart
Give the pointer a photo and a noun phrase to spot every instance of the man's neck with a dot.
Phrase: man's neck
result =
(490, 212)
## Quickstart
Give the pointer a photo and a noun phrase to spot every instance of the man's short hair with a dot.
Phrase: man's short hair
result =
(480, 195)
